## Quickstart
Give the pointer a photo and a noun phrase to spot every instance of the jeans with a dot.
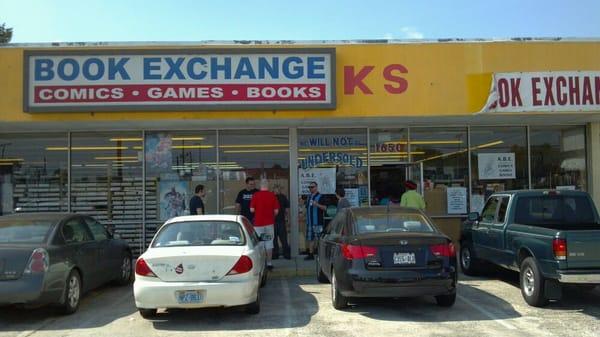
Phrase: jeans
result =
(281, 235)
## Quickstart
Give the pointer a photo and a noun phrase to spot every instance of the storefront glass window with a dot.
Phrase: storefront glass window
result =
(443, 154)
(176, 163)
(33, 173)
(558, 157)
(106, 181)
(498, 161)
(252, 153)
(333, 158)
(389, 158)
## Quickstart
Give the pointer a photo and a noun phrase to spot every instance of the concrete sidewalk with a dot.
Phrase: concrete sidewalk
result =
(292, 268)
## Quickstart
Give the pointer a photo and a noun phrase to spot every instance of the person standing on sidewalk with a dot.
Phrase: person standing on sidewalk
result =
(196, 203)
(265, 207)
(281, 221)
(340, 193)
(314, 218)
(242, 202)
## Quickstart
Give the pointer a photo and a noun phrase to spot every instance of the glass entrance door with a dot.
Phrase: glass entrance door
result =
(387, 181)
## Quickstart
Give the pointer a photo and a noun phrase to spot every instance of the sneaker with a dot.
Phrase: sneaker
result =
(270, 267)
(309, 257)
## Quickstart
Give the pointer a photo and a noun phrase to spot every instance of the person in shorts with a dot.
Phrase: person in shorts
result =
(265, 207)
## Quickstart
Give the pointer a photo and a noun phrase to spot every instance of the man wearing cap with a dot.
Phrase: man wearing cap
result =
(411, 198)
(314, 218)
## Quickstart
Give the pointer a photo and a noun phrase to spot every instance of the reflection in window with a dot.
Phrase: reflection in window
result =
(498, 161)
(558, 158)
(33, 173)
(443, 153)
(177, 162)
(252, 153)
(106, 181)
(389, 155)
(333, 158)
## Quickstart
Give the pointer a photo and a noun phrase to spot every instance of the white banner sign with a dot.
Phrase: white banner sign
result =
(324, 177)
(456, 200)
(178, 79)
(496, 165)
(544, 91)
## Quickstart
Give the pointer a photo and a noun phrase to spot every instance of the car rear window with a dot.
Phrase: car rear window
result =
(392, 222)
(16, 230)
(560, 212)
(200, 233)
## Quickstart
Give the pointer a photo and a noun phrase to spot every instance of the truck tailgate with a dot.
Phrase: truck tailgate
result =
(583, 249)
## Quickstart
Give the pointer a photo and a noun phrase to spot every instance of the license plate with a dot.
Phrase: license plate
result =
(404, 258)
(189, 296)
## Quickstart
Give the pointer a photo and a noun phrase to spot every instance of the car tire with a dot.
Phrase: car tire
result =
(446, 300)
(469, 264)
(126, 270)
(72, 293)
(338, 300)
(321, 277)
(147, 313)
(254, 307)
(532, 283)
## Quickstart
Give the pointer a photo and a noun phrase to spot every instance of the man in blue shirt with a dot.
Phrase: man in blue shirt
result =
(314, 218)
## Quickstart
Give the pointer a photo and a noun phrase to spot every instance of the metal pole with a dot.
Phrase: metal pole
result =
(294, 192)
(528, 157)
(368, 165)
(470, 184)
(218, 174)
(143, 241)
(68, 172)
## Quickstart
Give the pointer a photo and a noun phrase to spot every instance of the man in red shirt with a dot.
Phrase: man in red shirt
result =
(264, 206)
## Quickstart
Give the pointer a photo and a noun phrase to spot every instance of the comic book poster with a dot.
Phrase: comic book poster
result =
(173, 196)
(158, 152)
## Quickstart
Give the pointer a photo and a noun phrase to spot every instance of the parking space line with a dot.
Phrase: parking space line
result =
(488, 314)
(285, 288)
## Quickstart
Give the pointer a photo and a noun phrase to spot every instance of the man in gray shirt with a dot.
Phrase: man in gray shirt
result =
(340, 193)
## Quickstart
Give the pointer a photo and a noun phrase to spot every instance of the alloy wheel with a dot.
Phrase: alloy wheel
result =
(528, 281)
(466, 258)
(74, 291)
(126, 268)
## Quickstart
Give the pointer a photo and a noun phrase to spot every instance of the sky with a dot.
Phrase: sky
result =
(136, 20)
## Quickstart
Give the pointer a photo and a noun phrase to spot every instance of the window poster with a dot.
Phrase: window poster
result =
(352, 196)
(158, 152)
(324, 177)
(456, 200)
(496, 165)
(172, 196)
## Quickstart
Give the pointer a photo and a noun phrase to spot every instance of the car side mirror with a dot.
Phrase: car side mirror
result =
(473, 216)
(265, 237)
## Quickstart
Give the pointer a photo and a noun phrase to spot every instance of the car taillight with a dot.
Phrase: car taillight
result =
(142, 268)
(243, 265)
(38, 262)
(559, 246)
(352, 252)
(445, 249)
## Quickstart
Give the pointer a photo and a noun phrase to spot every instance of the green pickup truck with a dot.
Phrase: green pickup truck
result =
(551, 237)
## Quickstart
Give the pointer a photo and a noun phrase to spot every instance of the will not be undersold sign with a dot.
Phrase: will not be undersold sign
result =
(200, 79)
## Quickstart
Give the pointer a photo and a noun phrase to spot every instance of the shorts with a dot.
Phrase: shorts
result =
(268, 229)
(313, 232)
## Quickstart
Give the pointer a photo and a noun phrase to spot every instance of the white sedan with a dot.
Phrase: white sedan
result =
(201, 261)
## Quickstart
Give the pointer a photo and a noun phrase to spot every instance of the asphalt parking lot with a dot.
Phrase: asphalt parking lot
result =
(300, 306)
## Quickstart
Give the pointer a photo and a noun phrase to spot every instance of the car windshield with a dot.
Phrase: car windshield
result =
(15, 230)
(200, 233)
(560, 212)
(392, 222)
